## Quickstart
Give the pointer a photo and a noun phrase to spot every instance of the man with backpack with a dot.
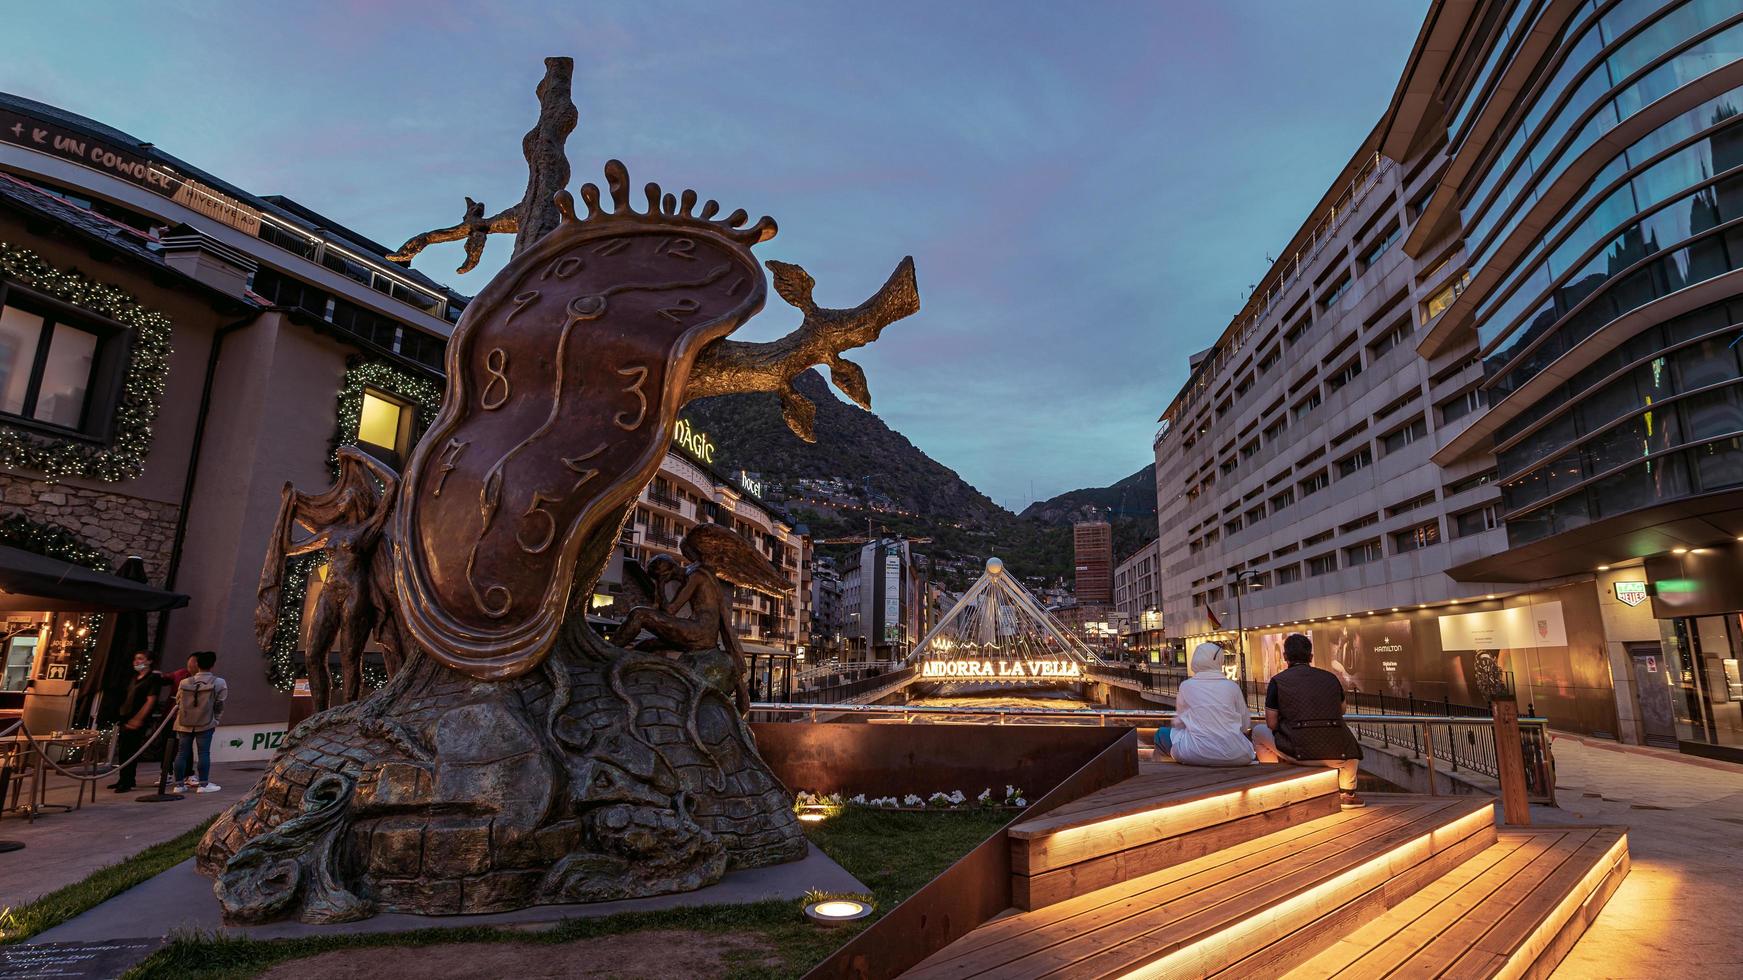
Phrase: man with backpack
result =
(199, 703)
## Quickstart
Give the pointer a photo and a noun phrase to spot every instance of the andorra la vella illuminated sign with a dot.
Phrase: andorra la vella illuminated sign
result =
(1001, 670)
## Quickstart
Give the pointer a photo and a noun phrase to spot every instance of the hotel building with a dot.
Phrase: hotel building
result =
(1138, 605)
(1483, 421)
(688, 491)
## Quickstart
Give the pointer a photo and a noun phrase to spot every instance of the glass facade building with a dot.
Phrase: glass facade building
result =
(1556, 199)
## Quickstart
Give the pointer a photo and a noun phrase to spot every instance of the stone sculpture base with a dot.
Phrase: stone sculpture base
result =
(603, 774)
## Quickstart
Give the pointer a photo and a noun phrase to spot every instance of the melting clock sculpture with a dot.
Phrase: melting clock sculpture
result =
(518, 757)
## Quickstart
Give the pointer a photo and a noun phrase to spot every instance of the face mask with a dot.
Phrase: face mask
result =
(141, 668)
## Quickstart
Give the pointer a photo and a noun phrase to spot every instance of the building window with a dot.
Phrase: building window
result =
(1305, 405)
(1315, 483)
(1275, 430)
(1296, 332)
(1372, 253)
(1255, 514)
(1391, 338)
(1269, 359)
(1477, 521)
(384, 426)
(1460, 406)
(1438, 303)
(1282, 500)
(1362, 554)
(1322, 564)
(1358, 460)
(1406, 434)
(1232, 527)
(1413, 539)
(1471, 482)
(1344, 375)
(1366, 520)
(1243, 386)
(1288, 573)
(1336, 292)
(1250, 450)
(49, 366)
(1409, 505)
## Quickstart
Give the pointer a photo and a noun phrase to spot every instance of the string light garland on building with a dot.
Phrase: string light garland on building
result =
(50, 540)
(288, 634)
(361, 374)
(142, 384)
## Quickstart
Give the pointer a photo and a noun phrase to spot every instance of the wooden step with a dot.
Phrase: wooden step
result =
(1193, 918)
(1513, 910)
(1164, 816)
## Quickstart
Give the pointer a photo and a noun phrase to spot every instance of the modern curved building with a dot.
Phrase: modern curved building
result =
(1540, 248)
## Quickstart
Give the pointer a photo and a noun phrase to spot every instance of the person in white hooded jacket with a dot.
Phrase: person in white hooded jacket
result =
(1211, 718)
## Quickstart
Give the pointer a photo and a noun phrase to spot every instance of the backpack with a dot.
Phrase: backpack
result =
(196, 700)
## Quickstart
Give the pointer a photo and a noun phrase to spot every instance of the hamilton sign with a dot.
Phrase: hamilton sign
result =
(1001, 670)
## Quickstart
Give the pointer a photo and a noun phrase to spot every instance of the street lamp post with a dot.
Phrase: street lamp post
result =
(1240, 630)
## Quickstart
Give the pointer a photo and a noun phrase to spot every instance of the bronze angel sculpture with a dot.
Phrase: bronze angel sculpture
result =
(347, 525)
(687, 611)
(519, 757)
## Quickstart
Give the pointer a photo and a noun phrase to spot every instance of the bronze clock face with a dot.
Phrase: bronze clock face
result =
(562, 392)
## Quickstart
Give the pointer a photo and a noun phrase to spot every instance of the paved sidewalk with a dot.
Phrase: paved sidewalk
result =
(1676, 915)
(61, 848)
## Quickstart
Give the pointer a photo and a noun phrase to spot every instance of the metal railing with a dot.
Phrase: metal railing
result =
(1463, 742)
(874, 685)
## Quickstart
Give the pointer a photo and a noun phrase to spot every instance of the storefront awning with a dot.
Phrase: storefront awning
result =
(30, 581)
(763, 649)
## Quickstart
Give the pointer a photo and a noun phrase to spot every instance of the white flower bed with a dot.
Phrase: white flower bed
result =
(953, 800)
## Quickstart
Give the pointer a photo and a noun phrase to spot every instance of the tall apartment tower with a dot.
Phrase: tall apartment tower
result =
(1479, 430)
(1094, 544)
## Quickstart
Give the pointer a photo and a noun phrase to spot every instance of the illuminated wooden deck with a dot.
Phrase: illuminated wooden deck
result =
(1183, 872)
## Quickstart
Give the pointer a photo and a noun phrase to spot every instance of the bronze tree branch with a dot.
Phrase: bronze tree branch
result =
(547, 173)
(728, 367)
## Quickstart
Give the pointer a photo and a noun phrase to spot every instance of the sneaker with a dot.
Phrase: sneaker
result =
(209, 788)
(1350, 801)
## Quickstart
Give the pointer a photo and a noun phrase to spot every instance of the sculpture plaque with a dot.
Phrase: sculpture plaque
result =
(518, 757)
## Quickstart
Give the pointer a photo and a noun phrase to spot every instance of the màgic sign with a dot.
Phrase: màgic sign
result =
(693, 441)
(1001, 670)
(1632, 593)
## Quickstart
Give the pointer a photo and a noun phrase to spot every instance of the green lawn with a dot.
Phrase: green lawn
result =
(893, 853)
(19, 924)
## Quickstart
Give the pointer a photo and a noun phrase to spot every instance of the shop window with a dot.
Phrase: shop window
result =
(56, 369)
(384, 427)
(20, 656)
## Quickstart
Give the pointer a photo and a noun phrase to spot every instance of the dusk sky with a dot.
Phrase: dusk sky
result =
(1087, 189)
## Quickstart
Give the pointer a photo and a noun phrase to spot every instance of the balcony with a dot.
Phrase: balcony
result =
(666, 500)
(662, 538)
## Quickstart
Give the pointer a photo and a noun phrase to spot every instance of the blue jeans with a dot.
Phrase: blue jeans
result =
(185, 754)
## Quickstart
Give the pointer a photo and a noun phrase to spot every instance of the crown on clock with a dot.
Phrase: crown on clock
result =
(664, 207)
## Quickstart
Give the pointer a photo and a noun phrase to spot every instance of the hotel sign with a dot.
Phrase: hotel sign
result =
(55, 140)
(1001, 670)
(1632, 593)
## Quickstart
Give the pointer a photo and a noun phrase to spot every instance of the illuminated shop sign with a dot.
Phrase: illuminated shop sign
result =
(57, 141)
(1002, 670)
(693, 441)
(746, 481)
(1632, 593)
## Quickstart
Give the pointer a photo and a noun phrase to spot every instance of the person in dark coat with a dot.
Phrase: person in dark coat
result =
(1304, 720)
(138, 709)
